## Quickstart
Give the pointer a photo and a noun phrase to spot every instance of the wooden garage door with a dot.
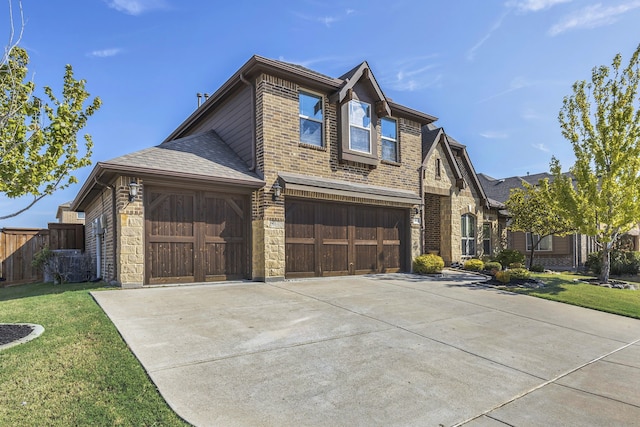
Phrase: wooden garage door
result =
(194, 236)
(325, 239)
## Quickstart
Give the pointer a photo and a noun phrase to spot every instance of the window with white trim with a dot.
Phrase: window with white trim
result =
(360, 126)
(311, 123)
(546, 244)
(486, 238)
(468, 233)
(389, 139)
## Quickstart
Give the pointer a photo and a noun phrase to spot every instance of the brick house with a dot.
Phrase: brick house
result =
(283, 172)
(555, 252)
(65, 215)
(461, 222)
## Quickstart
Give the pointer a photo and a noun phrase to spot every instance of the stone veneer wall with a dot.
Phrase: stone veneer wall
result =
(130, 229)
(453, 203)
(278, 150)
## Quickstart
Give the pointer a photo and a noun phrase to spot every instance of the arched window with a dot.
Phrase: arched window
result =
(468, 232)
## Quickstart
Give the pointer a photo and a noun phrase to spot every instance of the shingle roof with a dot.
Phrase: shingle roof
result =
(204, 154)
(499, 189)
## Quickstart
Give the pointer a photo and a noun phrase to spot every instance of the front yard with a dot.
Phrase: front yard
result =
(79, 371)
(564, 288)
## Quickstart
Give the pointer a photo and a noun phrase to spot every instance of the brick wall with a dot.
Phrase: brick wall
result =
(101, 206)
(432, 220)
(278, 150)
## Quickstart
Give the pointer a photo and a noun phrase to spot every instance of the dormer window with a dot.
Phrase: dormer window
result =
(389, 129)
(360, 126)
(311, 123)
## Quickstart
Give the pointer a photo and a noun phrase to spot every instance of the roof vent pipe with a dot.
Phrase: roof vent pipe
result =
(199, 95)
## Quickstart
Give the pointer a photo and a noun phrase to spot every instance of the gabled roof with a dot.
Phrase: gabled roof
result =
(499, 189)
(354, 76)
(304, 76)
(204, 157)
(431, 137)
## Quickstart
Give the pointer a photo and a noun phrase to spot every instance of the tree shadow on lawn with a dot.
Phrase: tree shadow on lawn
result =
(40, 289)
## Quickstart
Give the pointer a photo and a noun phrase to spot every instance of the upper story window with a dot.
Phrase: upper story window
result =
(311, 123)
(389, 139)
(360, 126)
(546, 244)
(438, 169)
(80, 215)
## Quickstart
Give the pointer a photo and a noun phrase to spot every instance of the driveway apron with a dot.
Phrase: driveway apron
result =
(387, 350)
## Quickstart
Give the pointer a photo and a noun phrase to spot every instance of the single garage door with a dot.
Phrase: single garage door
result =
(326, 239)
(194, 236)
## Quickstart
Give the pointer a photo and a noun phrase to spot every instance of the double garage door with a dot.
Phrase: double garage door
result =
(325, 239)
(195, 236)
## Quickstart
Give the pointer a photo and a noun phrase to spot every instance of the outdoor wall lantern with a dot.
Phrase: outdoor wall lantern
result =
(133, 190)
(277, 191)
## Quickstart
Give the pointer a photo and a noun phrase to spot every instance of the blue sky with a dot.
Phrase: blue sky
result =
(493, 71)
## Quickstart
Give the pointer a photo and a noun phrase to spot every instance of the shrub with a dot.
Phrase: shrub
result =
(503, 276)
(428, 264)
(520, 273)
(509, 256)
(621, 262)
(515, 265)
(473, 264)
(537, 268)
(492, 265)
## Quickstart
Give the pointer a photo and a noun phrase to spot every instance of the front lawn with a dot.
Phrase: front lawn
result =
(79, 371)
(563, 288)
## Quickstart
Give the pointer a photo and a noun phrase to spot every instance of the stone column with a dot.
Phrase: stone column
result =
(130, 236)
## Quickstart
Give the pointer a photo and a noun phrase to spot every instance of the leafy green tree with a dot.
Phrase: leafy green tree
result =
(601, 120)
(38, 139)
(536, 209)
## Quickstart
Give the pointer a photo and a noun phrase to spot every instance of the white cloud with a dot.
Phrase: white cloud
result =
(593, 16)
(516, 84)
(104, 53)
(530, 114)
(327, 20)
(412, 74)
(541, 147)
(136, 7)
(525, 6)
(471, 54)
(492, 134)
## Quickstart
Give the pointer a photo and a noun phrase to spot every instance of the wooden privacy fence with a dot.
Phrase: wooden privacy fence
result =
(19, 245)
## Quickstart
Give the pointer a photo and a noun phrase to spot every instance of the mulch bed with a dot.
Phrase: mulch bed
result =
(11, 333)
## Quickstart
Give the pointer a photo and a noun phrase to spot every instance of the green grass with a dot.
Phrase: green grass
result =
(79, 371)
(564, 288)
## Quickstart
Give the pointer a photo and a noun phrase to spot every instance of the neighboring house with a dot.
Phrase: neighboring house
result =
(282, 172)
(65, 215)
(461, 222)
(554, 252)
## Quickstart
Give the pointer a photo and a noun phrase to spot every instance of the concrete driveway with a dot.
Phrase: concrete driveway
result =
(388, 350)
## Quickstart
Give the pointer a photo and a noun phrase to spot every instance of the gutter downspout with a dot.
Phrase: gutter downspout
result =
(422, 209)
(253, 165)
(114, 212)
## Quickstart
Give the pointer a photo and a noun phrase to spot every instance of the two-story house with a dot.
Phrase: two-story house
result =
(282, 173)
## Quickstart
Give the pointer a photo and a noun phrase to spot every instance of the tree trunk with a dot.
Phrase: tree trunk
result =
(533, 250)
(606, 264)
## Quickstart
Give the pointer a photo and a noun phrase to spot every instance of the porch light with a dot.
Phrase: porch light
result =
(277, 191)
(133, 190)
